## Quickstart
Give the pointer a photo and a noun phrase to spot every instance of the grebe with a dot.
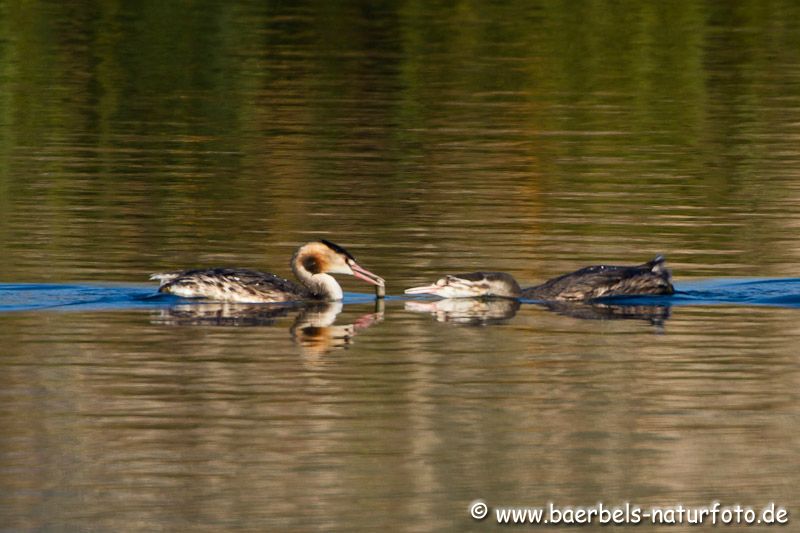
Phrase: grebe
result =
(585, 284)
(312, 264)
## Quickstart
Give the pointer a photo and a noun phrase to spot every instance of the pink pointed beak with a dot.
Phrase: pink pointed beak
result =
(364, 274)
(425, 289)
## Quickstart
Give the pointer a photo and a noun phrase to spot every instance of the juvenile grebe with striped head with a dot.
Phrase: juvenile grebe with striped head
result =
(312, 264)
(590, 283)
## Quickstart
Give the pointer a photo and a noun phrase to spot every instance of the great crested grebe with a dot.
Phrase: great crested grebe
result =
(312, 264)
(585, 284)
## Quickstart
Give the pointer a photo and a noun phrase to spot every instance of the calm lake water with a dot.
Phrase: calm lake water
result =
(527, 137)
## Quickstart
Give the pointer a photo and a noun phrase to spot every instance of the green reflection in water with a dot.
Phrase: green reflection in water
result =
(173, 132)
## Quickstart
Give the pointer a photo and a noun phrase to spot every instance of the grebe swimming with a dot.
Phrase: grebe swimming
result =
(585, 284)
(312, 264)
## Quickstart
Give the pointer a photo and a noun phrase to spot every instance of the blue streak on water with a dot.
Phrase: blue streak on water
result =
(84, 297)
(784, 292)
(90, 297)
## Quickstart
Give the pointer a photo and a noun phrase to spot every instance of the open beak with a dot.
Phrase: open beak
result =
(366, 275)
(425, 289)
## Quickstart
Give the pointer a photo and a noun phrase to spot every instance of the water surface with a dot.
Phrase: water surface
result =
(532, 138)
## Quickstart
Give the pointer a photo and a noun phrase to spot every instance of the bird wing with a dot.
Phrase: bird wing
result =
(239, 280)
(603, 280)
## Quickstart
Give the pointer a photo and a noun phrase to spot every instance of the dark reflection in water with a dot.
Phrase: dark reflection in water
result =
(488, 311)
(313, 327)
(229, 314)
(655, 314)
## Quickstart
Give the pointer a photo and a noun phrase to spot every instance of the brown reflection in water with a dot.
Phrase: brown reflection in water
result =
(313, 328)
(117, 420)
(487, 311)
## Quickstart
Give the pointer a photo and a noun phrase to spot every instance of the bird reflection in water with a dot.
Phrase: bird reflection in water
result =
(468, 311)
(489, 311)
(313, 329)
(315, 332)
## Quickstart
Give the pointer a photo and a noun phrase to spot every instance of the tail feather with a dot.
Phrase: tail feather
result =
(660, 270)
(656, 265)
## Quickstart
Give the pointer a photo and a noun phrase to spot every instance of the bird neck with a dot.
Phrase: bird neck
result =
(507, 288)
(321, 285)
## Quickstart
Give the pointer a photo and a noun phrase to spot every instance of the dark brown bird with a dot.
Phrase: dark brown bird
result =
(590, 283)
